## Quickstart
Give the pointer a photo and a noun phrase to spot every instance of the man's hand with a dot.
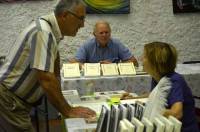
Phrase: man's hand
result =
(80, 112)
(105, 62)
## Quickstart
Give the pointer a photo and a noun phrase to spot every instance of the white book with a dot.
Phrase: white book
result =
(101, 120)
(122, 111)
(130, 111)
(139, 110)
(114, 118)
(158, 125)
(176, 122)
(79, 125)
(71, 96)
(123, 127)
(138, 124)
(71, 70)
(133, 101)
(169, 126)
(140, 71)
(129, 125)
(109, 69)
(126, 68)
(148, 125)
(92, 69)
(111, 94)
(107, 119)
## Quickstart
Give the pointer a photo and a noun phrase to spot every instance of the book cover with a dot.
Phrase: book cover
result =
(71, 70)
(176, 122)
(148, 125)
(123, 127)
(138, 124)
(114, 118)
(158, 125)
(169, 126)
(109, 69)
(92, 69)
(126, 68)
(129, 125)
(122, 111)
(101, 120)
(130, 111)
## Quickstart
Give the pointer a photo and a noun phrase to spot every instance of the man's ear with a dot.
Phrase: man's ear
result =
(94, 34)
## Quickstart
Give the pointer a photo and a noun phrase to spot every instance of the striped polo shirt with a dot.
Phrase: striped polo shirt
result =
(35, 48)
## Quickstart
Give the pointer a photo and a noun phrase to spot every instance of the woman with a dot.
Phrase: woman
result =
(159, 60)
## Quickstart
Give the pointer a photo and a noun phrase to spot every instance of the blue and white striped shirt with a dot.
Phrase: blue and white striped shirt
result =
(35, 48)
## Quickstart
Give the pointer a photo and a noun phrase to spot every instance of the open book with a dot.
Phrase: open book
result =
(109, 69)
(92, 69)
(126, 68)
(71, 70)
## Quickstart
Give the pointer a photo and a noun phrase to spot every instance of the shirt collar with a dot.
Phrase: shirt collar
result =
(107, 46)
(55, 27)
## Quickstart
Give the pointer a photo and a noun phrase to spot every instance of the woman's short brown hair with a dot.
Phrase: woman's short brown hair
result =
(161, 56)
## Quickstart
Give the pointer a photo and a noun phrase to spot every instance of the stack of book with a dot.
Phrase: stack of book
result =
(124, 118)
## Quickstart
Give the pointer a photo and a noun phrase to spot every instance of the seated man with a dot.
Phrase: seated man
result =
(103, 49)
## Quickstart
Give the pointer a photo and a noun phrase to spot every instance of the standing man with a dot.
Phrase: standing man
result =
(32, 68)
(102, 48)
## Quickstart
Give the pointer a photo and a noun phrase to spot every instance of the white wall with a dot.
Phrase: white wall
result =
(149, 20)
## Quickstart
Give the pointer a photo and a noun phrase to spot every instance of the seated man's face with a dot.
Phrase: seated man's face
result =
(102, 34)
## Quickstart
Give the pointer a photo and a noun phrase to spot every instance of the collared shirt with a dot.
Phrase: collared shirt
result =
(35, 48)
(91, 52)
(180, 92)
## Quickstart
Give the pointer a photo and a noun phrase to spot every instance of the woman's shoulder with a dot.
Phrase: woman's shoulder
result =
(175, 76)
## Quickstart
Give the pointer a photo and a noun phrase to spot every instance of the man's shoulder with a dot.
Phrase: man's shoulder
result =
(45, 22)
(89, 42)
(116, 41)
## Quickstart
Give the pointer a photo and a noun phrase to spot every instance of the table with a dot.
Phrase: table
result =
(136, 84)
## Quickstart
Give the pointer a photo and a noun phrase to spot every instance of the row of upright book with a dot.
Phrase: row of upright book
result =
(129, 118)
(97, 69)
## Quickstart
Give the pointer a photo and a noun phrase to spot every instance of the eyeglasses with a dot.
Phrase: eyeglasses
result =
(82, 18)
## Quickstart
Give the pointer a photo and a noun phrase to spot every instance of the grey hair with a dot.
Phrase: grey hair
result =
(101, 22)
(64, 5)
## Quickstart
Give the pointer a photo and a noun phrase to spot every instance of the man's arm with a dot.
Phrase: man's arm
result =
(125, 54)
(80, 55)
(50, 83)
(73, 60)
(132, 59)
(51, 87)
(57, 66)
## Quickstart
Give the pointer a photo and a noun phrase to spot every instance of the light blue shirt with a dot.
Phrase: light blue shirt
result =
(91, 52)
